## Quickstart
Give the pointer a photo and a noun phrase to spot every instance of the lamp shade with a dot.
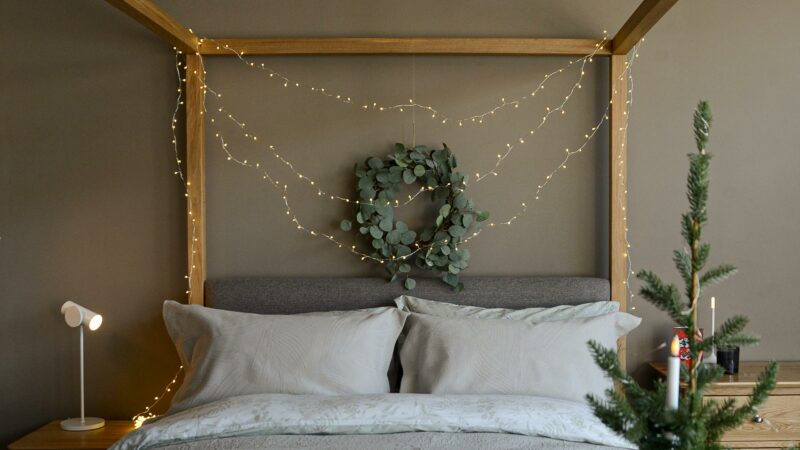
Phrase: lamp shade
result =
(76, 315)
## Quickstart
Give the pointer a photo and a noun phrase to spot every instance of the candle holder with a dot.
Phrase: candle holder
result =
(728, 358)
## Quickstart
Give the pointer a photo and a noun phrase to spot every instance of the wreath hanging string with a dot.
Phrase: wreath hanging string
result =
(436, 247)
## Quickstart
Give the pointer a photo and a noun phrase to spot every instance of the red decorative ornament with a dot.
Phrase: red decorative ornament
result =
(683, 339)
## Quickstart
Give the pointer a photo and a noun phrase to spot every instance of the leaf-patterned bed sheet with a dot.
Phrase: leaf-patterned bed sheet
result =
(266, 414)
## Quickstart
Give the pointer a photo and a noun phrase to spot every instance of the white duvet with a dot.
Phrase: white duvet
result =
(270, 414)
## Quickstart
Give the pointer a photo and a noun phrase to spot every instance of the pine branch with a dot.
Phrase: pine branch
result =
(616, 412)
(702, 125)
(730, 334)
(683, 262)
(664, 296)
(697, 186)
(702, 255)
(717, 274)
(608, 362)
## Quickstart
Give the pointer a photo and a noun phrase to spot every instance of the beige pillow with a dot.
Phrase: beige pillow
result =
(498, 356)
(226, 353)
(530, 315)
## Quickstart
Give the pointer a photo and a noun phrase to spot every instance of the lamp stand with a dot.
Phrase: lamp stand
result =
(83, 423)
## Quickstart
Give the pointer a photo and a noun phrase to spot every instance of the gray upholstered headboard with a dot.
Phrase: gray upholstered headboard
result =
(299, 295)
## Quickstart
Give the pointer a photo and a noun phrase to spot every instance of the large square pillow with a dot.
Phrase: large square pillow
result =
(499, 356)
(226, 353)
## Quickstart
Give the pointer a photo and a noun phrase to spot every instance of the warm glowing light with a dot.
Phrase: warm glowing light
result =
(95, 322)
(675, 347)
(713, 302)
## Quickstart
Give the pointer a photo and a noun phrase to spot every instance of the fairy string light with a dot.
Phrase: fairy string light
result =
(501, 157)
(524, 205)
(371, 105)
(622, 194)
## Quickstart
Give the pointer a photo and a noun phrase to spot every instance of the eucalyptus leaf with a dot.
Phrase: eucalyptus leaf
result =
(393, 237)
(375, 163)
(451, 279)
(445, 250)
(409, 177)
(408, 237)
(419, 170)
(363, 230)
(377, 244)
(482, 215)
(466, 220)
(453, 269)
(359, 217)
(346, 225)
(456, 231)
(405, 268)
(401, 226)
(410, 283)
(460, 201)
(375, 232)
(444, 211)
(386, 224)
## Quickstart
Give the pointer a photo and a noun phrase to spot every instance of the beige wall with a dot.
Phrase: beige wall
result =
(91, 212)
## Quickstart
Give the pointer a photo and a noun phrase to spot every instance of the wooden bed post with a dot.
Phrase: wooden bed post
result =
(617, 181)
(195, 177)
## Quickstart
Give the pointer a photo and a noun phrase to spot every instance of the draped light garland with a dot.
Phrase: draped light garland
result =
(501, 157)
(140, 418)
(434, 112)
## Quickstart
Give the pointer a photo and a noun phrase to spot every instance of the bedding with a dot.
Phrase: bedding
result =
(530, 315)
(227, 353)
(269, 418)
(498, 356)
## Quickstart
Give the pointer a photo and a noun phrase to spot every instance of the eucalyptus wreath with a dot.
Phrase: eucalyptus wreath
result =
(435, 248)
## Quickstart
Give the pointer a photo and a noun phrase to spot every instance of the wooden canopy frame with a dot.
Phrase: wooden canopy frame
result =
(182, 38)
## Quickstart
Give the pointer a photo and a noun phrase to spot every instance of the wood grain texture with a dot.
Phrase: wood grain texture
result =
(780, 426)
(646, 15)
(781, 413)
(388, 45)
(154, 18)
(617, 180)
(51, 436)
(195, 177)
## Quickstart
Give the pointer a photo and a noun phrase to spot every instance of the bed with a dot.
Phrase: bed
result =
(384, 420)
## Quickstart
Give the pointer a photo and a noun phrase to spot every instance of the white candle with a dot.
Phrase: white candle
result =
(712, 358)
(713, 313)
(673, 375)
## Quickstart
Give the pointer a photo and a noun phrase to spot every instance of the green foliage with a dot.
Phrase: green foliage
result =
(698, 424)
(437, 247)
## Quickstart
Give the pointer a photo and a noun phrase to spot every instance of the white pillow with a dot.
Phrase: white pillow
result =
(498, 356)
(226, 353)
(530, 315)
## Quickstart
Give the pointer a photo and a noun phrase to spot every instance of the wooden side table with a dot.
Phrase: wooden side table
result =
(51, 436)
(777, 424)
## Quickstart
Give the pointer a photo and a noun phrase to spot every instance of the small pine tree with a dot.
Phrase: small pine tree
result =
(640, 414)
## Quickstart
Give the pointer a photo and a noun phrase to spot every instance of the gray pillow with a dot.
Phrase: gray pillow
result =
(498, 356)
(226, 353)
(530, 315)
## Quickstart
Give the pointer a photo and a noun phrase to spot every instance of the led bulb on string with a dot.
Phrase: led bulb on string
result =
(477, 118)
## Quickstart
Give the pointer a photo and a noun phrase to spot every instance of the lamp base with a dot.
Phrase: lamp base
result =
(85, 424)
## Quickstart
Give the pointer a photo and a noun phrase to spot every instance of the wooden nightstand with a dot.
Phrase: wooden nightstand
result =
(51, 436)
(778, 422)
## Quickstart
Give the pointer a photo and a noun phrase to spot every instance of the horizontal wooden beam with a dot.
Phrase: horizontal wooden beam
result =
(640, 22)
(151, 16)
(393, 46)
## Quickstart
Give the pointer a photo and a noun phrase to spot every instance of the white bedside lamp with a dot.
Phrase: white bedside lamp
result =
(77, 316)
